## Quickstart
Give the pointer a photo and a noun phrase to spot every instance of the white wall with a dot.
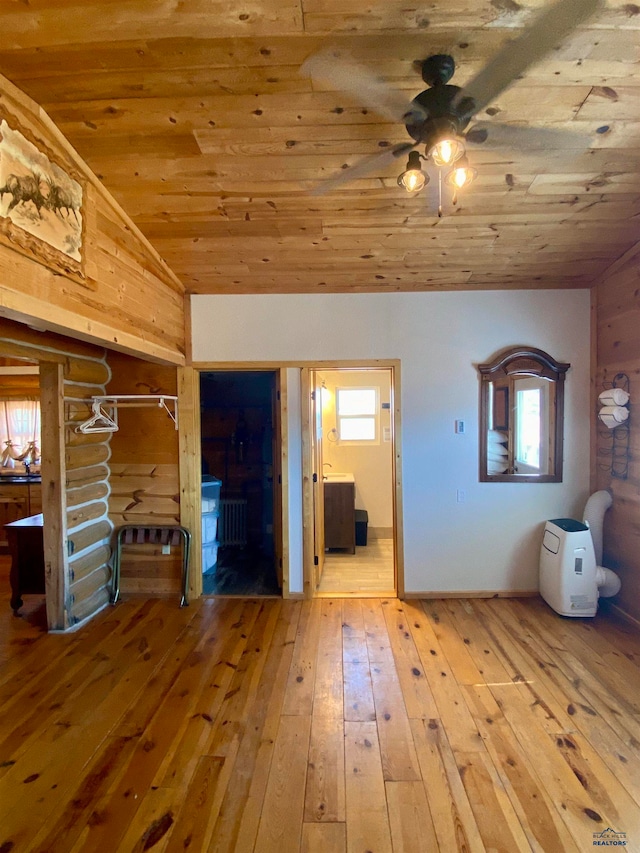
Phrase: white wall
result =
(490, 542)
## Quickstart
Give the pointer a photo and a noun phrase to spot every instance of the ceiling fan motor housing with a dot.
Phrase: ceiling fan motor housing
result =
(437, 116)
(438, 69)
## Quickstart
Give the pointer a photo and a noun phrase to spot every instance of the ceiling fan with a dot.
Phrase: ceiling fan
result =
(439, 116)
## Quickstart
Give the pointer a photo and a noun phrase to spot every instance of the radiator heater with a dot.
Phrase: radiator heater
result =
(233, 522)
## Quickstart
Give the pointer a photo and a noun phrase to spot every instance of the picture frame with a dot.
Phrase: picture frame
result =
(41, 202)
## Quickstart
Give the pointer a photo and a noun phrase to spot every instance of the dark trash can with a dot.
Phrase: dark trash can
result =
(362, 521)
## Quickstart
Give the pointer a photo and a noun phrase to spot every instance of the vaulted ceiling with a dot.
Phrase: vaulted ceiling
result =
(197, 117)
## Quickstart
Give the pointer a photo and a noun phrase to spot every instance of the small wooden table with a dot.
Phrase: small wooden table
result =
(24, 538)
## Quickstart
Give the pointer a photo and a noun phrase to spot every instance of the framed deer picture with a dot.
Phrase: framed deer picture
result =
(40, 202)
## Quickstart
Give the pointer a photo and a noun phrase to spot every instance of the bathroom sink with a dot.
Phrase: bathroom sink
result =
(338, 478)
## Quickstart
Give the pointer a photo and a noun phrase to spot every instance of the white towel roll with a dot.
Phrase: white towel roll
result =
(613, 416)
(614, 397)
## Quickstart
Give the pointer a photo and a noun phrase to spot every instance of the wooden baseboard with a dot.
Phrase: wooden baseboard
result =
(473, 593)
(380, 533)
(148, 594)
(357, 594)
(72, 628)
(622, 614)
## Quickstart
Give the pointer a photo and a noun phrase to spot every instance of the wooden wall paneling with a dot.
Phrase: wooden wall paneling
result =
(618, 350)
(85, 608)
(85, 371)
(146, 495)
(69, 466)
(87, 512)
(37, 344)
(87, 490)
(85, 494)
(114, 299)
(145, 487)
(88, 564)
(94, 534)
(77, 477)
(19, 387)
(594, 387)
(78, 458)
(211, 136)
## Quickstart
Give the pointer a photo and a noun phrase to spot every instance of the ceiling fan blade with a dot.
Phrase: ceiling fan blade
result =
(494, 134)
(364, 167)
(361, 85)
(550, 27)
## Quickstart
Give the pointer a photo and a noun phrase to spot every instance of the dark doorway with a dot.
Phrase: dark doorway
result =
(239, 447)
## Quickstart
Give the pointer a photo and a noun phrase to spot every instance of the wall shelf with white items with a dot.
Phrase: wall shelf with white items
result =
(613, 426)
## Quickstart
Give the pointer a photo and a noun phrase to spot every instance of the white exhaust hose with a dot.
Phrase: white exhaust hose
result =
(608, 582)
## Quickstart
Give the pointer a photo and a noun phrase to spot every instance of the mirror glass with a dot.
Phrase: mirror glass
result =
(521, 417)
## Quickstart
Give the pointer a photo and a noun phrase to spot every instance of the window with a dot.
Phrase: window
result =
(357, 414)
(528, 443)
(19, 432)
(531, 451)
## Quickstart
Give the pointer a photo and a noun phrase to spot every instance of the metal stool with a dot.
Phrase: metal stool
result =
(153, 535)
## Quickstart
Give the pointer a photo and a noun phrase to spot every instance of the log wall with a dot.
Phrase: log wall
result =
(618, 350)
(144, 475)
(121, 294)
(84, 573)
(19, 387)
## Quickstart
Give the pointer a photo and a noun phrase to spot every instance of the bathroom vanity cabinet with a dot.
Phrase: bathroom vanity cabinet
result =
(340, 516)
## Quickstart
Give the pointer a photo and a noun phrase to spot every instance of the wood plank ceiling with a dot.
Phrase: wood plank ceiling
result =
(197, 118)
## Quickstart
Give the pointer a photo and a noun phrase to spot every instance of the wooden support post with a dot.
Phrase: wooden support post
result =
(190, 454)
(54, 499)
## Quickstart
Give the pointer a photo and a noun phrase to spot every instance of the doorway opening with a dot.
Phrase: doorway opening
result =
(352, 445)
(21, 527)
(241, 522)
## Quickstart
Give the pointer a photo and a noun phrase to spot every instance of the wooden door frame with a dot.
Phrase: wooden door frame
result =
(393, 365)
(54, 496)
(53, 475)
(190, 450)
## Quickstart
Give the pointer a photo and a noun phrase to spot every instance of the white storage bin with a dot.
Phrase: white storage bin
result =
(210, 504)
(210, 493)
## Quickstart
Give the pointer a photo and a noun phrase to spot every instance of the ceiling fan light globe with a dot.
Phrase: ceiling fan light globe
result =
(461, 176)
(446, 152)
(413, 180)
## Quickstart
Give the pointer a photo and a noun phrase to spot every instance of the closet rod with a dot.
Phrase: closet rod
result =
(115, 401)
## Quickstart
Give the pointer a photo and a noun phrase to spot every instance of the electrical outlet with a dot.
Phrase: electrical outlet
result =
(166, 549)
(460, 427)
(461, 496)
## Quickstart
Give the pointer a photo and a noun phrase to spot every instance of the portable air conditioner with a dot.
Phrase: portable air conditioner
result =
(568, 571)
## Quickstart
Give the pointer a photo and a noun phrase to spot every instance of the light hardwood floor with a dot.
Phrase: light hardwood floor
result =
(367, 572)
(329, 725)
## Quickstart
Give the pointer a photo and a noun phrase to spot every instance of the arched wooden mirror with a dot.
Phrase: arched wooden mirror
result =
(521, 417)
